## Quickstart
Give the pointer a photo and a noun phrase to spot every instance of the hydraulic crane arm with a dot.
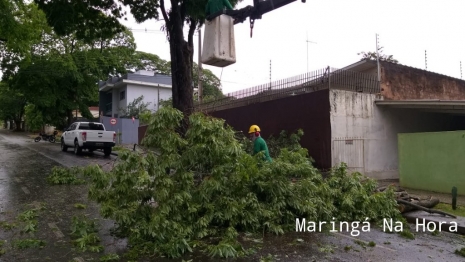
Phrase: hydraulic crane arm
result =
(254, 12)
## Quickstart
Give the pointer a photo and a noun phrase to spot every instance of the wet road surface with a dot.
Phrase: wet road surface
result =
(24, 166)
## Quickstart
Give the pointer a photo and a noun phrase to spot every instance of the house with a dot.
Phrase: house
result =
(347, 115)
(117, 92)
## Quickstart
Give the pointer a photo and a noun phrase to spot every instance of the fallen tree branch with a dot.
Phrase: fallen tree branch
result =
(381, 189)
(431, 211)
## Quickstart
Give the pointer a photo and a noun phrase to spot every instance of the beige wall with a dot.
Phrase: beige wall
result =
(364, 135)
(405, 83)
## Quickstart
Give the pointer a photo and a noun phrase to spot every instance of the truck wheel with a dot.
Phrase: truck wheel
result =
(64, 148)
(107, 151)
(77, 149)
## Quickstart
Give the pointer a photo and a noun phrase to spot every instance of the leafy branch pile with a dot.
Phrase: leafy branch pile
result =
(28, 219)
(65, 176)
(203, 189)
(84, 232)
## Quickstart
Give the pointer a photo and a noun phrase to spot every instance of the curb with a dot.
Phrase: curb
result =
(442, 223)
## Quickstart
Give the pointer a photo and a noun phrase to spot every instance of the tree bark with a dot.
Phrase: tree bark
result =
(400, 201)
(181, 67)
(18, 125)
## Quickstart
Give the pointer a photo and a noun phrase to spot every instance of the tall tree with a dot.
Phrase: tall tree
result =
(22, 26)
(18, 23)
(58, 74)
(150, 62)
(67, 70)
(12, 105)
(90, 19)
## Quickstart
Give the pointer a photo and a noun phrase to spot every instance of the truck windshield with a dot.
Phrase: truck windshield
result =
(91, 126)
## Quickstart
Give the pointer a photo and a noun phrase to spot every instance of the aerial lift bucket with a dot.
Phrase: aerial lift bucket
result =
(218, 43)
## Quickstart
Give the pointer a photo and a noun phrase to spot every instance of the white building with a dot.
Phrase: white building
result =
(117, 92)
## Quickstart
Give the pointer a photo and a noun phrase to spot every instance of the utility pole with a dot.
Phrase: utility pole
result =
(460, 69)
(200, 68)
(307, 49)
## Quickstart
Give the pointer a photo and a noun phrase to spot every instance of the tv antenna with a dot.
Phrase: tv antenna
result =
(307, 48)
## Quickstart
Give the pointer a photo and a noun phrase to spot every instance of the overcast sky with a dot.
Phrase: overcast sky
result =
(341, 29)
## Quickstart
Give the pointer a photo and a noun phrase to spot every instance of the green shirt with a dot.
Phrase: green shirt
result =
(260, 145)
(214, 6)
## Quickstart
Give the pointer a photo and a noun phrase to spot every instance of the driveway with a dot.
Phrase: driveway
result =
(24, 166)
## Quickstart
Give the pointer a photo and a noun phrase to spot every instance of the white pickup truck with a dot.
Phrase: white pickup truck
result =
(88, 135)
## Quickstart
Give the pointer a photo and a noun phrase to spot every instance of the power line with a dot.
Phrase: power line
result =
(152, 31)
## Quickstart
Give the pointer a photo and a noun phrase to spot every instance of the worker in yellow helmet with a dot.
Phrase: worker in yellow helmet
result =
(259, 143)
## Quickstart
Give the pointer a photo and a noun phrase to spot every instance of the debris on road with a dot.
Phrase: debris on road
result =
(409, 202)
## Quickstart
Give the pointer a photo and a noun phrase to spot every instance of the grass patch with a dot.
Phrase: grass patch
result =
(460, 211)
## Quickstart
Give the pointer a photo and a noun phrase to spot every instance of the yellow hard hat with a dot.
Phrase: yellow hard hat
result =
(253, 129)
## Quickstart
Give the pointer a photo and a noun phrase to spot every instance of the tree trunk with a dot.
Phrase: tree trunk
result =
(18, 125)
(181, 68)
(70, 117)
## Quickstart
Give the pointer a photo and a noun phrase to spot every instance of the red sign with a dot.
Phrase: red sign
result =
(113, 121)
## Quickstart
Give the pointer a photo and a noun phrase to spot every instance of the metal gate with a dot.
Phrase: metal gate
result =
(350, 151)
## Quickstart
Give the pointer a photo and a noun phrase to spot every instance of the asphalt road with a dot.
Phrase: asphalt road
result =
(24, 166)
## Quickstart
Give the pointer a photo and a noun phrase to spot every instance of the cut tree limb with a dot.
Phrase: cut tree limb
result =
(431, 211)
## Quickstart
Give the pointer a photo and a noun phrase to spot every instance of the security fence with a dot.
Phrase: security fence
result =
(325, 78)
